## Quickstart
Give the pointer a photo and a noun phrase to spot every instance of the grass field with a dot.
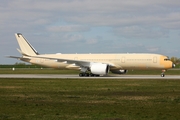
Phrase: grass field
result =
(55, 71)
(78, 99)
(36, 71)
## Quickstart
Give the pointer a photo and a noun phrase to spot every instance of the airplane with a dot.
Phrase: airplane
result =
(93, 64)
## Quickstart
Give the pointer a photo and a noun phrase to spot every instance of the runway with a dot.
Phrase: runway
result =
(67, 76)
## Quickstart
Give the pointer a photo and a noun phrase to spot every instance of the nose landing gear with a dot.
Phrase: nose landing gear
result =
(162, 74)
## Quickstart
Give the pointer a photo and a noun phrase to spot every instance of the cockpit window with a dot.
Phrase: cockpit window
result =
(166, 59)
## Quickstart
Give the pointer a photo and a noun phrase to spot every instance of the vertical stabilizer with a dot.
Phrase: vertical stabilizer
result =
(25, 46)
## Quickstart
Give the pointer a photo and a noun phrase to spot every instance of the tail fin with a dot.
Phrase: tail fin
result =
(26, 48)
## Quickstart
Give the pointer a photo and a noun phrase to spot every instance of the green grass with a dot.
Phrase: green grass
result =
(89, 99)
(36, 71)
(55, 71)
(21, 65)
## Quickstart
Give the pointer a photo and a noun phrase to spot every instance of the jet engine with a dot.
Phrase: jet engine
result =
(99, 68)
(119, 71)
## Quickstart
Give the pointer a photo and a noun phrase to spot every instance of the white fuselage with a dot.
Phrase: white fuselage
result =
(118, 61)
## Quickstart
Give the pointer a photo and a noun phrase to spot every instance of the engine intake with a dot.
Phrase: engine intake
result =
(99, 68)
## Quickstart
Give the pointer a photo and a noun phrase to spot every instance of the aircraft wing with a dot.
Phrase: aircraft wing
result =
(80, 63)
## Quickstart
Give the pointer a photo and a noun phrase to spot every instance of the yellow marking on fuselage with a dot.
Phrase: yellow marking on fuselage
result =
(166, 64)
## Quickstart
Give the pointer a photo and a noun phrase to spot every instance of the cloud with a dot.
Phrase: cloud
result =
(92, 41)
(153, 49)
(68, 28)
(140, 32)
(69, 38)
(117, 13)
(101, 12)
(81, 21)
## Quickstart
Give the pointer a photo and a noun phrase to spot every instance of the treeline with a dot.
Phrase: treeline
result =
(20, 65)
(175, 60)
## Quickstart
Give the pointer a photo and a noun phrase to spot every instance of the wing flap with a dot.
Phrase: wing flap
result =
(75, 62)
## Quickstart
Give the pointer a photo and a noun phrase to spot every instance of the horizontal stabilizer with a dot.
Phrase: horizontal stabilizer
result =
(19, 58)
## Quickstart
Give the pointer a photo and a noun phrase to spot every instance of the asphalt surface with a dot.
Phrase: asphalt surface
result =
(76, 76)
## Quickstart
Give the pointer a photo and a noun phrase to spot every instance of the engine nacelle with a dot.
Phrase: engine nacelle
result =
(99, 68)
(119, 71)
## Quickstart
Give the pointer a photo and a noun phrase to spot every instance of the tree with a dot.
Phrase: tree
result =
(19, 63)
(175, 60)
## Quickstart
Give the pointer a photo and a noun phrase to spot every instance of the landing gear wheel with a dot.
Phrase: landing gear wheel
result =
(92, 75)
(81, 74)
(162, 75)
(86, 74)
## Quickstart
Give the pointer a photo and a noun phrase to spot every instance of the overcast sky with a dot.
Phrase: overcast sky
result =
(91, 26)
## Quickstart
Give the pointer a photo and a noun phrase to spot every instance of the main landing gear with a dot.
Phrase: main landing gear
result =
(88, 75)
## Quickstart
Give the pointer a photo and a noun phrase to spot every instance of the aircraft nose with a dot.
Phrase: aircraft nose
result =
(173, 65)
